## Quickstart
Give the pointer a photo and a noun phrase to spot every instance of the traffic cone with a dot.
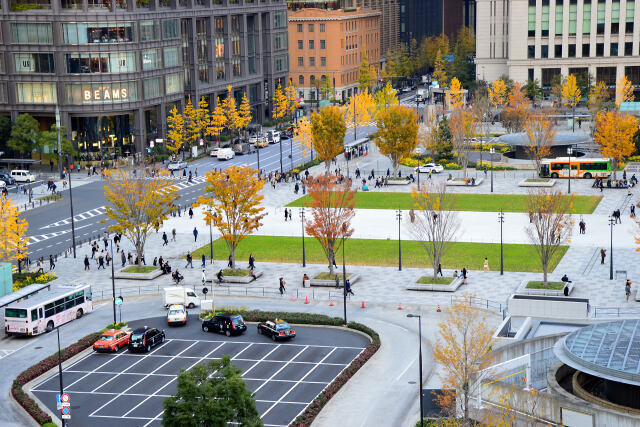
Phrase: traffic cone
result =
(292, 297)
(331, 304)
(438, 310)
(306, 300)
(362, 305)
(399, 306)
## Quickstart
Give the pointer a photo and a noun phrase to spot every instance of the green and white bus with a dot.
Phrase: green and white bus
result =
(581, 167)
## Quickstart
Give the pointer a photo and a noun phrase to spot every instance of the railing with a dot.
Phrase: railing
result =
(614, 312)
(480, 303)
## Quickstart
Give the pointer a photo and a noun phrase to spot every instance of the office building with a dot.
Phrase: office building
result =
(425, 18)
(389, 20)
(115, 68)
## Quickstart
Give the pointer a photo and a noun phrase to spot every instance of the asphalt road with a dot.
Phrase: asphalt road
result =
(128, 389)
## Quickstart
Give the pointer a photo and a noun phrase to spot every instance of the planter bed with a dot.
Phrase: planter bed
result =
(398, 182)
(331, 283)
(430, 287)
(459, 182)
(537, 182)
(237, 279)
(121, 274)
(523, 290)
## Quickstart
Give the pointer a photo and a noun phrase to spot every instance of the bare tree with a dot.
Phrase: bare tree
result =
(551, 223)
(539, 133)
(436, 221)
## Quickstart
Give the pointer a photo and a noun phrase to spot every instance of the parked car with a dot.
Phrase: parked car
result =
(225, 154)
(143, 339)
(214, 152)
(228, 324)
(112, 340)
(253, 139)
(261, 141)
(243, 148)
(176, 165)
(277, 329)
(406, 89)
(177, 315)
(430, 167)
(22, 176)
(273, 136)
(6, 178)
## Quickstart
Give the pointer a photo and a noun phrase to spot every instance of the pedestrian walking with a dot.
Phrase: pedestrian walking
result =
(337, 281)
(52, 265)
(286, 214)
(165, 240)
(195, 234)
(282, 287)
(173, 235)
(204, 260)
(230, 263)
(464, 274)
(252, 261)
(39, 268)
(603, 255)
(296, 188)
(107, 258)
(86, 263)
(583, 226)
(347, 288)
(439, 269)
(190, 213)
(94, 249)
(100, 262)
(633, 211)
(627, 289)
(123, 258)
(189, 260)
(486, 264)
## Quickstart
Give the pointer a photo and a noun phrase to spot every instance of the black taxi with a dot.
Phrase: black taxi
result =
(277, 329)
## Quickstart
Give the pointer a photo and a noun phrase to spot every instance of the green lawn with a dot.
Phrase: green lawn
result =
(239, 272)
(517, 257)
(428, 280)
(464, 202)
(139, 269)
(552, 286)
(326, 276)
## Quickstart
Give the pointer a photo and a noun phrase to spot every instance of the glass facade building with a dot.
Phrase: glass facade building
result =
(115, 68)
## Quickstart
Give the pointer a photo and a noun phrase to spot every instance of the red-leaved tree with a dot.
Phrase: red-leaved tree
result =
(331, 213)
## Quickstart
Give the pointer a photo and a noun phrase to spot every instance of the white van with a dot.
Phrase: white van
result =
(273, 136)
(22, 176)
(225, 154)
(180, 295)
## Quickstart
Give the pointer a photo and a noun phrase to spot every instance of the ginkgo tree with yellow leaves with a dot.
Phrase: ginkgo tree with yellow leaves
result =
(280, 104)
(304, 136)
(327, 133)
(397, 134)
(360, 111)
(614, 134)
(138, 205)
(292, 99)
(455, 95)
(386, 97)
(624, 91)
(232, 119)
(570, 95)
(13, 232)
(232, 203)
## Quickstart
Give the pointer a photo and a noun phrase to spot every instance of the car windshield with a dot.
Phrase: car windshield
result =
(282, 326)
(237, 320)
(106, 338)
(171, 312)
(15, 312)
(137, 337)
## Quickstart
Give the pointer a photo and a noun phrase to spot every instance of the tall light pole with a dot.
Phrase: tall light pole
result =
(344, 274)
(73, 226)
(113, 282)
(399, 217)
(258, 155)
(211, 238)
(420, 363)
(612, 222)
(569, 152)
(304, 260)
(59, 141)
(64, 421)
(491, 152)
(281, 167)
(501, 220)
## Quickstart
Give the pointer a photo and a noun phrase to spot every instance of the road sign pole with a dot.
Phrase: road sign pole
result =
(64, 423)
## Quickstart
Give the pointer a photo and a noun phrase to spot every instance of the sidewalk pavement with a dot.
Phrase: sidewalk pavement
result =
(17, 196)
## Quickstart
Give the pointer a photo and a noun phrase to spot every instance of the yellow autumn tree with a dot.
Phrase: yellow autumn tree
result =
(244, 112)
(614, 134)
(516, 110)
(327, 131)
(539, 133)
(359, 111)
(497, 93)
(570, 95)
(175, 130)
(304, 136)
(202, 118)
(13, 232)
(279, 104)
(232, 204)
(597, 100)
(439, 72)
(386, 97)
(138, 205)
(292, 99)
(397, 134)
(462, 349)
(455, 94)
(232, 119)
(624, 91)
(217, 121)
(190, 124)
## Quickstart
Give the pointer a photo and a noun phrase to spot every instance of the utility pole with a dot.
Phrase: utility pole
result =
(59, 141)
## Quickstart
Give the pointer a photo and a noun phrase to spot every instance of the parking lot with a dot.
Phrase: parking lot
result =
(128, 389)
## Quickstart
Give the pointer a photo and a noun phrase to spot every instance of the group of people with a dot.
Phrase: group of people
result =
(601, 183)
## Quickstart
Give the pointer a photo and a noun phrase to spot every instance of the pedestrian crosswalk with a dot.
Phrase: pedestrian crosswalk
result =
(40, 237)
(76, 218)
(181, 185)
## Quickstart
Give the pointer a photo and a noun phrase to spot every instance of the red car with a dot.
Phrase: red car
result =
(112, 340)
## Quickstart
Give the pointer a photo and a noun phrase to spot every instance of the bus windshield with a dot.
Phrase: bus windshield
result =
(19, 313)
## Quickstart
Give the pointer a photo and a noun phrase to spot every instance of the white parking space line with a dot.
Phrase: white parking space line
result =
(282, 344)
(280, 370)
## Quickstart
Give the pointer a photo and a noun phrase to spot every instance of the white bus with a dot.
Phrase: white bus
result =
(47, 310)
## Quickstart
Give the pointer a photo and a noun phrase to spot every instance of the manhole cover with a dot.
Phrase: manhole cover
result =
(412, 382)
(38, 348)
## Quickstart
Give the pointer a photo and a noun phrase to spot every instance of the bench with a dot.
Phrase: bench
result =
(237, 279)
(320, 283)
(429, 287)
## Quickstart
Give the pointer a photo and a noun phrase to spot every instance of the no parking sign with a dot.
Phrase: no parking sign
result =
(66, 412)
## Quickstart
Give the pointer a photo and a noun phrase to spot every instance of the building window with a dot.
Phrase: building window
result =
(532, 20)
(173, 83)
(280, 41)
(607, 75)
(170, 29)
(323, 44)
(530, 74)
(149, 30)
(531, 51)
(280, 63)
(573, 18)
(613, 49)
(633, 74)
(280, 19)
(312, 61)
(628, 49)
(300, 45)
(615, 17)
(33, 62)
(323, 61)
(557, 51)
(301, 79)
(299, 27)
(599, 49)
(545, 19)
(312, 79)
(72, 4)
(36, 93)
(312, 44)
(80, 33)
(235, 46)
(151, 59)
(117, 62)
(300, 61)
(559, 20)
(31, 33)
(544, 51)
(572, 51)
(322, 28)
(152, 88)
(548, 76)
(631, 10)
(586, 48)
(311, 28)
(171, 57)
(586, 18)
(601, 17)
(219, 47)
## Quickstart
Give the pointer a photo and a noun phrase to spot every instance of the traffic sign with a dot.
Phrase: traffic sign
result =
(118, 300)
(66, 413)
(65, 398)
(205, 290)
(58, 402)
(449, 58)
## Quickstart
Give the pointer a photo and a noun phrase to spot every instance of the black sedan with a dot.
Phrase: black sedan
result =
(277, 329)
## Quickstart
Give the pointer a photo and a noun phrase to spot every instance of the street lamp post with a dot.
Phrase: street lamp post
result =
(73, 226)
(344, 274)
(258, 155)
(281, 167)
(569, 152)
(612, 222)
(399, 217)
(59, 141)
(304, 260)
(64, 421)
(420, 363)
(491, 152)
(113, 282)
(211, 237)
(501, 220)
(291, 153)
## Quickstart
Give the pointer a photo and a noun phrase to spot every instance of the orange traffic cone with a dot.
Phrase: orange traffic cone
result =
(438, 310)
(292, 297)
(306, 300)
(331, 302)
(362, 305)
(399, 306)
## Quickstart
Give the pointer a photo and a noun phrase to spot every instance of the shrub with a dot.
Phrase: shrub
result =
(20, 280)
(487, 166)
(416, 160)
(452, 166)
(634, 159)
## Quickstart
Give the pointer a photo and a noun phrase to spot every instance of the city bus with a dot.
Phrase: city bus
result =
(47, 310)
(581, 167)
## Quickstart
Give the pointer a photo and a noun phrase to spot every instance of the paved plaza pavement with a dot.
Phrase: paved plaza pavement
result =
(128, 389)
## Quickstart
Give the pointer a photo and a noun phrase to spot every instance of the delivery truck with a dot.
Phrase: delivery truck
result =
(421, 95)
(180, 295)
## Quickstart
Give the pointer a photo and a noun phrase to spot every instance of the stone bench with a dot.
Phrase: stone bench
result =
(237, 279)
(320, 283)
(138, 276)
(523, 290)
(452, 287)
(548, 183)
(457, 183)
